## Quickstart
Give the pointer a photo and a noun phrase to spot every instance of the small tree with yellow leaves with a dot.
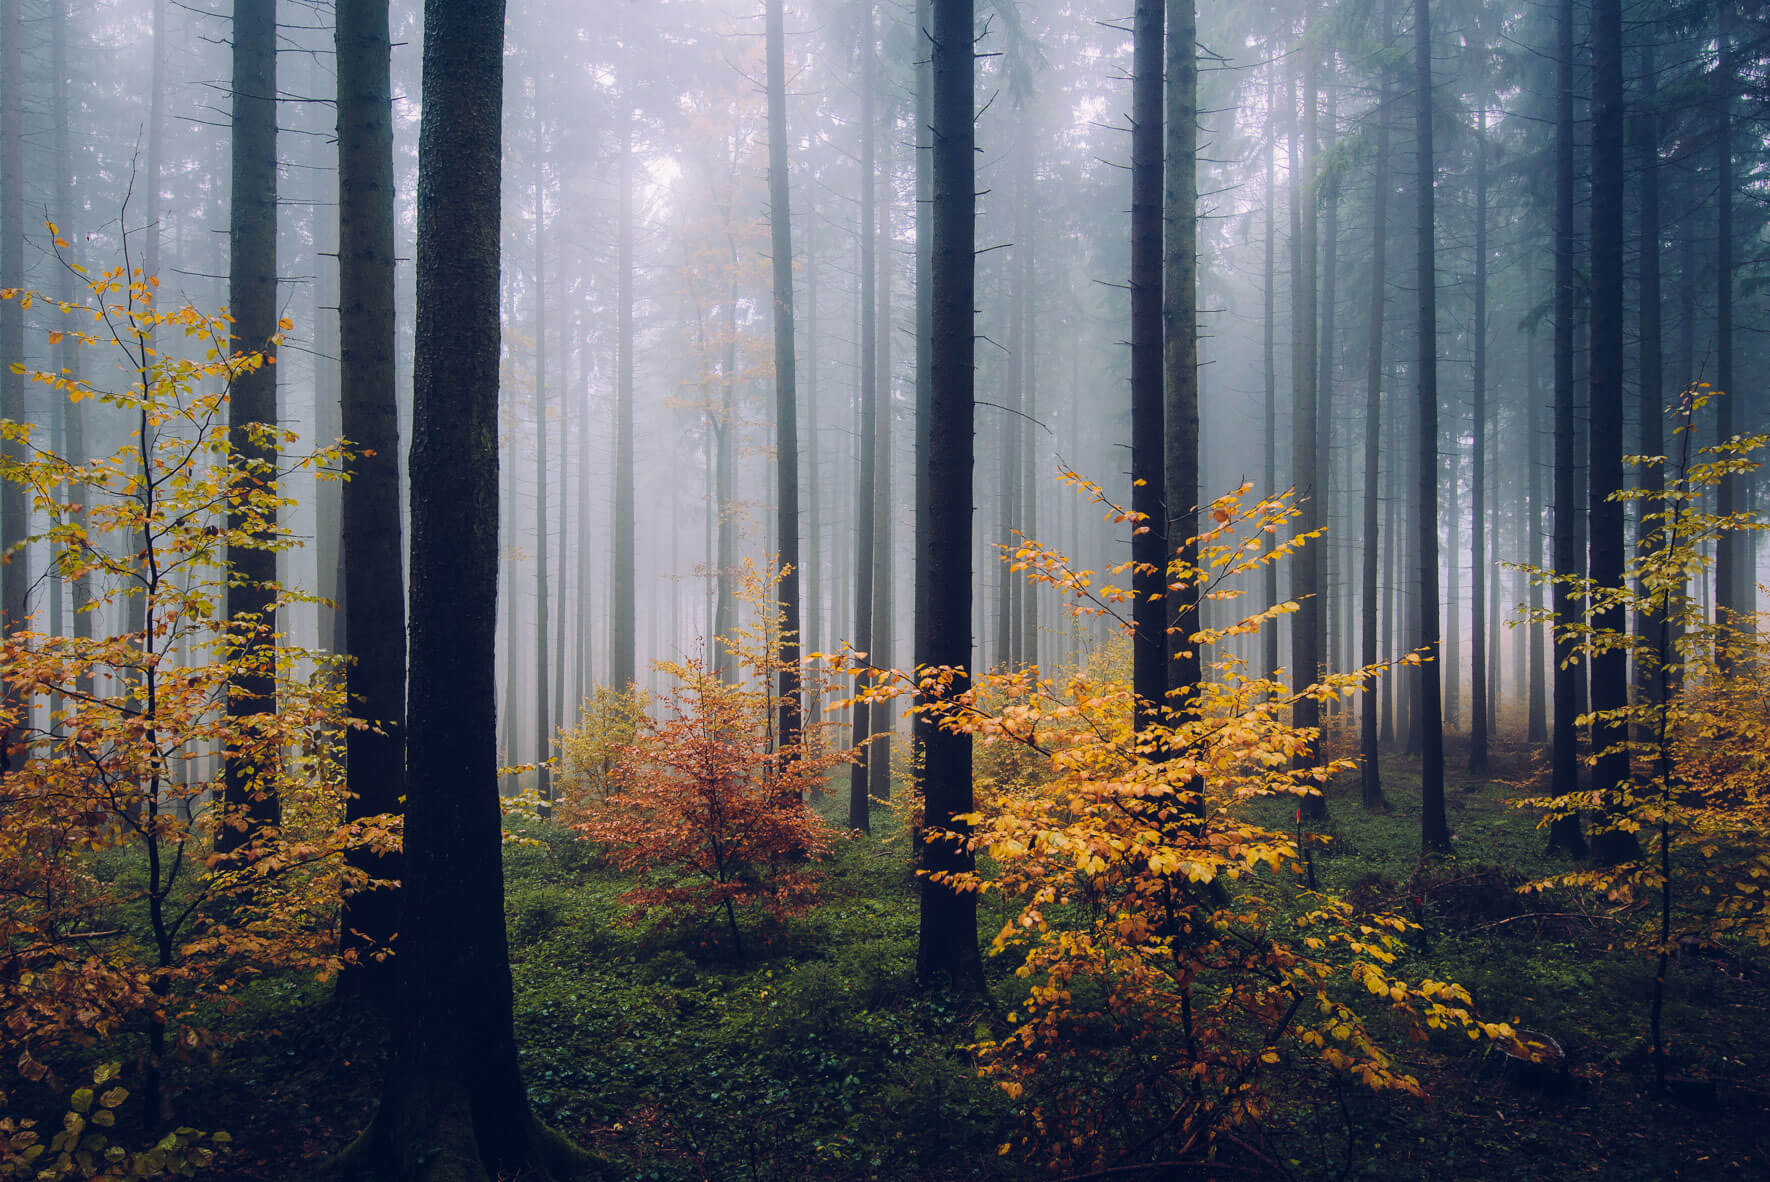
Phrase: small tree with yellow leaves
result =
(115, 740)
(1693, 740)
(1173, 956)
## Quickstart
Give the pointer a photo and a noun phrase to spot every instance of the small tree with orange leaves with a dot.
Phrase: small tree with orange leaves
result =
(705, 804)
(115, 739)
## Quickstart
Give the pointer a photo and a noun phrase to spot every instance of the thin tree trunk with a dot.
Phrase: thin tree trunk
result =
(1434, 827)
(14, 525)
(543, 707)
(786, 409)
(884, 654)
(1610, 666)
(1564, 833)
(623, 624)
(1269, 434)
(1306, 564)
(1478, 705)
(1731, 578)
(864, 489)
(1370, 779)
(1650, 403)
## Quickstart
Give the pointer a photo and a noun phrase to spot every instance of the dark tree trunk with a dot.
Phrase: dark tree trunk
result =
(1269, 354)
(1610, 666)
(1478, 705)
(1650, 400)
(786, 409)
(725, 567)
(1180, 477)
(1564, 833)
(1732, 579)
(920, 725)
(1327, 594)
(879, 751)
(1149, 543)
(858, 774)
(543, 649)
(947, 944)
(623, 622)
(374, 594)
(252, 405)
(1305, 389)
(1371, 781)
(14, 526)
(811, 586)
(1434, 828)
(1537, 726)
(453, 1104)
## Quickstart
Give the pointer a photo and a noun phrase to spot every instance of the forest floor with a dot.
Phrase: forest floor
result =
(816, 1058)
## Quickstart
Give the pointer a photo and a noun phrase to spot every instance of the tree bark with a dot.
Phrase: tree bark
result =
(1149, 543)
(623, 622)
(1478, 510)
(1180, 424)
(947, 941)
(374, 592)
(1610, 666)
(1269, 354)
(867, 474)
(543, 649)
(453, 1104)
(1732, 579)
(252, 405)
(14, 523)
(786, 409)
(1370, 775)
(1564, 832)
(1306, 564)
(1434, 827)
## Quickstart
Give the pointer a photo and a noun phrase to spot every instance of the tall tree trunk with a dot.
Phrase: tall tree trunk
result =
(1610, 666)
(1327, 594)
(1306, 564)
(786, 409)
(1370, 777)
(1434, 828)
(1478, 510)
(252, 405)
(543, 653)
(1180, 444)
(1732, 579)
(375, 624)
(725, 607)
(623, 622)
(811, 586)
(72, 415)
(1650, 402)
(1537, 723)
(858, 774)
(884, 654)
(14, 523)
(921, 725)
(1269, 355)
(947, 943)
(1026, 239)
(453, 1104)
(1149, 543)
(1564, 833)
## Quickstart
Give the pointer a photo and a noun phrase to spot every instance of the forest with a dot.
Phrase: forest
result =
(884, 589)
